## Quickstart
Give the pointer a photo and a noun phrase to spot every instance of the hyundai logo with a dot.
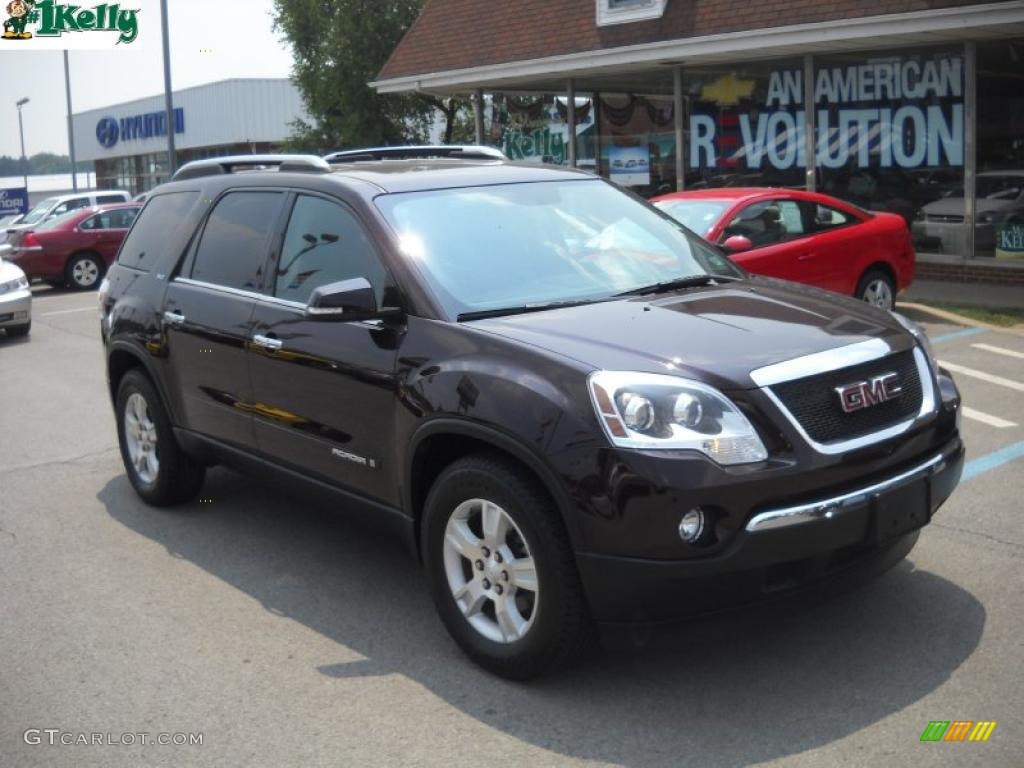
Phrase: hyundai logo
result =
(864, 394)
(107, 132)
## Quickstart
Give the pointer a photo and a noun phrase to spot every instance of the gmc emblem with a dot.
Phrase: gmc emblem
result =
(864, 394)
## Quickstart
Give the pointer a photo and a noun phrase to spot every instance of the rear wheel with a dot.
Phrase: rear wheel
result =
(84, 271)
(161, 473)
(501, 570)
(877, 289)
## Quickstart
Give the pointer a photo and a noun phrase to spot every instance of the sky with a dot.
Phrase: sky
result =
(238, 34)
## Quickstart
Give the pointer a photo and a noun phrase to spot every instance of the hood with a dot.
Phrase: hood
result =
(9, 271)
(714, 334)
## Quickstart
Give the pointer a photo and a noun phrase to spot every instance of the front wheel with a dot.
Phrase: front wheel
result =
(501, 570)
(877, 289)
(161, 473)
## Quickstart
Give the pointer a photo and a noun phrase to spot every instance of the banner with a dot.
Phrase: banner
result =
(13, 201)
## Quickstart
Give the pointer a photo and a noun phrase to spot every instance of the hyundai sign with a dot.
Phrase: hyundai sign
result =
(13, 201)
(109, 131)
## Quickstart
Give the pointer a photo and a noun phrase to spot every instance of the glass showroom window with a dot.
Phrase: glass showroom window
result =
(999, 192)
(890, 137)
(746, 126)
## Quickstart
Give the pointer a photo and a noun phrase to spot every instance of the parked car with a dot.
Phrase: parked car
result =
(74, 249)
(570, 407)
(15, 301)
(804, 237)
(52, 207)
(999, 202)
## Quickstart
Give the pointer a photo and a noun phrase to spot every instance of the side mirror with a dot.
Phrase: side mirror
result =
(737, 243)
(350, 301)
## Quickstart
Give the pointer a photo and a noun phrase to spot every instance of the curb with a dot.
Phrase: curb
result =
(953, 317)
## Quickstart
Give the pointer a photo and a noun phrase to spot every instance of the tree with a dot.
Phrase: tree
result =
(339, 46)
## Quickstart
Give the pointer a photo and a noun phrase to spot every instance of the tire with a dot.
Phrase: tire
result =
(877, 289)
(171, 476)
(84, 272)
(550, 624)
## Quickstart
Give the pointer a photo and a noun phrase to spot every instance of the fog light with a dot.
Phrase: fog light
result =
(691, 527)
(21, 315)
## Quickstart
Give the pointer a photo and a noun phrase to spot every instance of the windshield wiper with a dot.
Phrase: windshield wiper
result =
(690, 281)
(522, 310)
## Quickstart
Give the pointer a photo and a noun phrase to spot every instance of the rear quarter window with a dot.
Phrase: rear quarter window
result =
(155, 229)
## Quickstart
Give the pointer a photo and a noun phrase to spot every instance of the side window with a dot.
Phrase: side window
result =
(123, 218)
(324, 244)
(101, 199)
(153, 233)
(233, 248)
(826, 218)
(93, 222)
(768, 222)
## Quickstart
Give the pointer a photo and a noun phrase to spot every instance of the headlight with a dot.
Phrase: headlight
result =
(659, 412)
(922, 338)
(17, 284)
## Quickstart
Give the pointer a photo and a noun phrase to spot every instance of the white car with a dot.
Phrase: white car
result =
(15, 300)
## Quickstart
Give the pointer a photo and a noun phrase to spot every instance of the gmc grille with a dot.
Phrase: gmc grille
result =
(814, 404)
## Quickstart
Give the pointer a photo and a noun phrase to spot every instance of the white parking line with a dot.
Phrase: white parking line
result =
(999, 350)
(70, 311)
(984, 418)
(1008, 383)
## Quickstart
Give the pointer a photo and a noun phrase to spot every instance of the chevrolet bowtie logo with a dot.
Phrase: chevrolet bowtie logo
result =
(864, 394)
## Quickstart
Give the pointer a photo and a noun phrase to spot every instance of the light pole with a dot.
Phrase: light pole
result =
(71, 129)
(21, 132)
(168, 99)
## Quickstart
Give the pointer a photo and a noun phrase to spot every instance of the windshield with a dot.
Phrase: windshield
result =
(40, 210)
(698, 215)
(515, 245)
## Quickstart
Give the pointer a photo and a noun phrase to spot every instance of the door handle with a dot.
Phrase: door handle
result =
(174, 319)
(266, 342)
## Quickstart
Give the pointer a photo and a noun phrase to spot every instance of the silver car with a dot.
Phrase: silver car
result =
(15, 300)
(1000, 203)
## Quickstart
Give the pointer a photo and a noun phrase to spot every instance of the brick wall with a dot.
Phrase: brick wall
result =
(970, 273)
(459, 34)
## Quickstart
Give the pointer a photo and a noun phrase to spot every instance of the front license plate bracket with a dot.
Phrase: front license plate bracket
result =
(900, 510)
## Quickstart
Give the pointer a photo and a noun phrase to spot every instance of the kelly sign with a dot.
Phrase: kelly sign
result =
(13, 201)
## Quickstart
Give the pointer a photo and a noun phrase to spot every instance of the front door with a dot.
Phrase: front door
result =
(324, 390)
(208, 315)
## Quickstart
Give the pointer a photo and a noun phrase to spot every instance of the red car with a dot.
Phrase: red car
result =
(804, 237)
(74, 249)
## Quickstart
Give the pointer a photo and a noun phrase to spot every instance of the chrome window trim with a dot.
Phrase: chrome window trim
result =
(221, 288)
(829, 360)
(928, 402)
(826, 509)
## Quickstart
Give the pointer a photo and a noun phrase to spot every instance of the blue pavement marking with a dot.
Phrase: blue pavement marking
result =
(984, 464)
(963, 334)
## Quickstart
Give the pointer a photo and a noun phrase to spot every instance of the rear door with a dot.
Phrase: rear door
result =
(324, 390)
(208, 314)
(104, 232)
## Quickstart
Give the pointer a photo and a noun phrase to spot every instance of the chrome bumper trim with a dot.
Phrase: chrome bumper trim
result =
(826, 509)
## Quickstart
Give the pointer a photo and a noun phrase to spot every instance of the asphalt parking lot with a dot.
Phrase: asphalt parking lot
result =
(287, 635)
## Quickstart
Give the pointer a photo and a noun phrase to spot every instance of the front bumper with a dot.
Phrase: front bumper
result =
(780, 550)
(15, 308)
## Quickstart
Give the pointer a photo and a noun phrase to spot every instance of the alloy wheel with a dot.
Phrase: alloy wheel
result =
(141, 438)
(85, 273)
(878, 294)
(490, 571)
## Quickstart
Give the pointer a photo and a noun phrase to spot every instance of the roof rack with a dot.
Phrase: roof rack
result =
(216, 166)
(460, 152)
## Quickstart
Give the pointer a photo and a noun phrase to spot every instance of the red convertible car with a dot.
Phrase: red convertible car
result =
(804, 237)
(74, 249)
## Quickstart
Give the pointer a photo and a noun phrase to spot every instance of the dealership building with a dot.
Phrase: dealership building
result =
(128, 142)
(909, 106)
